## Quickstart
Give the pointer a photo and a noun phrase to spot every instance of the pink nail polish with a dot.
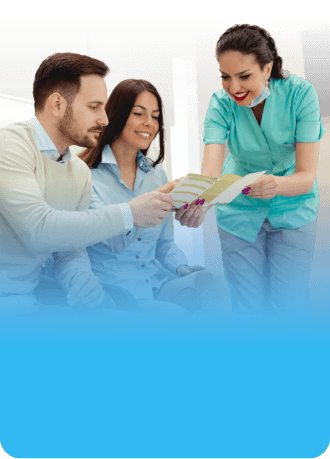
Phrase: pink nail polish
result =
(197, 202)
(246, 190)
(186, 206)
(202, 201)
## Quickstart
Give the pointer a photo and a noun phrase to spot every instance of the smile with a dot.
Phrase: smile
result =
(144, 134)
(241, 96)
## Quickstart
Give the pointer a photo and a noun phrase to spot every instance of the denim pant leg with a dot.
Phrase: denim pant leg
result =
(245, 270)
(290, 256)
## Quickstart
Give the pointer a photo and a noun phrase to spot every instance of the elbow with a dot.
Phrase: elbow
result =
(309, 187)
(37, 244)
(309, 184)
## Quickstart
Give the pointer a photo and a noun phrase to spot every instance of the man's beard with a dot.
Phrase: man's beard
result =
(69, 129)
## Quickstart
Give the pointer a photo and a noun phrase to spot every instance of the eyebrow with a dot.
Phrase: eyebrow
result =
(235, 73)
(141, 106)
(96, 102)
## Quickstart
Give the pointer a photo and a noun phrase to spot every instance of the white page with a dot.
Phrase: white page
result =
(233, 191)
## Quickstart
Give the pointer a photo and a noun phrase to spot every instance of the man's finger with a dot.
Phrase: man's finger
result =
(165, 197)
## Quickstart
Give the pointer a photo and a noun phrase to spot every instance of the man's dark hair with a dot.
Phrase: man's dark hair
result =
(61, 73)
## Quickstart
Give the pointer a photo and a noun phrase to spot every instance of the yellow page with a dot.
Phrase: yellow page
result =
(190, 188)
(219, 187)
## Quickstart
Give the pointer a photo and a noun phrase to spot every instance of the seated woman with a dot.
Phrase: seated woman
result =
(145, 261)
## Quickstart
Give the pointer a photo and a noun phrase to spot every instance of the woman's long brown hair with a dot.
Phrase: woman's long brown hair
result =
(118, 109)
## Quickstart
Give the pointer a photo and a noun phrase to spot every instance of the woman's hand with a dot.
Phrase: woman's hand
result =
(193, 215)
(168, 187)
(263, 188)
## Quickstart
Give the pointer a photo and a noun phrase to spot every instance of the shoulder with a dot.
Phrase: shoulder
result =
(221, 98)
(160, 173)
(293, 86)
(19, 140)
(22, 132)
(220, 107)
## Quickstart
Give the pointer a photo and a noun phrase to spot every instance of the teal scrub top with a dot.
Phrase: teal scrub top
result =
(291, 114)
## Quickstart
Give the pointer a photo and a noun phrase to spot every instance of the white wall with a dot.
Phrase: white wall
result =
(151, 50)
(13, 109)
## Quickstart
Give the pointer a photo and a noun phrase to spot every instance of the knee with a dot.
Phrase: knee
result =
(206, 280)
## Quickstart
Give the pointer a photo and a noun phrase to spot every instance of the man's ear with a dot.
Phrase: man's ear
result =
(56, 104)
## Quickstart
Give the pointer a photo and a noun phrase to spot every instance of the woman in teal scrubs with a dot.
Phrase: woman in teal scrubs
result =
(272, 123)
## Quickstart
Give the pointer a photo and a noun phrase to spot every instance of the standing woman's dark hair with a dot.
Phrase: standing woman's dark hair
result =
(249, 39)
(118, 109)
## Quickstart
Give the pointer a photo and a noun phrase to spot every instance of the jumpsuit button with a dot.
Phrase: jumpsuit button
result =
(142, 266)
(139, 239)
(147, 281)
(137, 256)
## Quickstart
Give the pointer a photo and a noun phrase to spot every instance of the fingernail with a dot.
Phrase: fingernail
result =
(197, 202)
(186, 206)
(246, 190)
(202, 201)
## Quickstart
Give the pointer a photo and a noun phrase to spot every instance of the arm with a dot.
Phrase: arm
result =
(217, 125)
(299, 183)
(41, 227)
(194, 215)
(214, 154)
(73, 269)
(308, 133)
(167, 252)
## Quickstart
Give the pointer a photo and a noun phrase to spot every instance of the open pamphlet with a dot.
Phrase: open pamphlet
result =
(213, 190)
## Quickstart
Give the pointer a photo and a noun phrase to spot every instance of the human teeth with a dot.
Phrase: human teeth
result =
(241, 95)
(144, 134)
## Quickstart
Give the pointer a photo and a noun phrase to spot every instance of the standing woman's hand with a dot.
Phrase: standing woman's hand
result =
(192, 215)
(264, 187)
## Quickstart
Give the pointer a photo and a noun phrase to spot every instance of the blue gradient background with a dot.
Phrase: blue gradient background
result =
(127, 385)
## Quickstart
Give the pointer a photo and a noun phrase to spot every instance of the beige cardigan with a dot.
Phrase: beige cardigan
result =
(43, 209)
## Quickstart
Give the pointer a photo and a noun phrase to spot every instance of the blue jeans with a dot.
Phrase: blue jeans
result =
(271, 274)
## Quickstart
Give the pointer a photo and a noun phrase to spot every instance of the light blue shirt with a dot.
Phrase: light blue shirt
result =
(45, 144)
(141, 259)
(291, 114)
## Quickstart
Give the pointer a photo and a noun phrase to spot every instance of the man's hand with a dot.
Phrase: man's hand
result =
(264, 187)
(149, 209)
(193, 215)
(87, 289)
(168, 187)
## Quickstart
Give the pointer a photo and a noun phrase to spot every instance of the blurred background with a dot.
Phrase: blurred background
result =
(174, 49)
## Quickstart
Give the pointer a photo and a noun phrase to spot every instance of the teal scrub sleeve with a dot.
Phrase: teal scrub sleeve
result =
(309, 127)
(216, 124)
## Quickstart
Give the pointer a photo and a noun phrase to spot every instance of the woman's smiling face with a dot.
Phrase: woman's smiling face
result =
(142, 124)
(241, 76)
